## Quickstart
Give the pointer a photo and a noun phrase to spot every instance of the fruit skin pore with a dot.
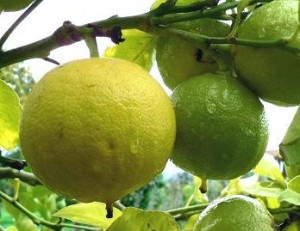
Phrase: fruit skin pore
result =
(222, 131)
(271, 73)
(235, 213)
(97, 129)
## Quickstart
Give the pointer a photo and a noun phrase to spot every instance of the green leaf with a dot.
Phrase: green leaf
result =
(24, 224)
(292, 193)
(294, 184)
(290, 145)
(11, 228)
(138, 48)
(269, 167)
(88, 213)
(136, 219)
(264, 189)
(10, 111)
(14, 5)
(157, 3)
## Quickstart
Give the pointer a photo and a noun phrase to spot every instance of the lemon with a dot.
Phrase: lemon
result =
(96, 129)
(179, 59)
(235, 213)
(272, 73)
(14, 5)
(222, 131)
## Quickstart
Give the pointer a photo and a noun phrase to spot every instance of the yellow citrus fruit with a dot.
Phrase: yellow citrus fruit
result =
(96, 129)
(235, 213)
(272, 73)
(221, 127)
(179, 59)
(14, 5)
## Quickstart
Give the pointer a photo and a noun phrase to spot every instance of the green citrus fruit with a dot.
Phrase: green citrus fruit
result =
(272, 73)
(179, 59)
(96, 129)
(235, 213)
(221, 127)
(14, 5)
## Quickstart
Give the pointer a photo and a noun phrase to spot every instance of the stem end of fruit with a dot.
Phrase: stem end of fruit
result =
(109, 210)
(203, 186)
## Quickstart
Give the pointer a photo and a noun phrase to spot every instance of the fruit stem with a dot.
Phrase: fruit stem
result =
(109, 210)
(203, 185)
(91, 43)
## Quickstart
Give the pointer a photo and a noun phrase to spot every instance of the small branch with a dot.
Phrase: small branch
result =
(12, 163)
(289, 210)
(39, 221)
(69, 34)
(9, 173)
(214, 11)
(51, 61)
(282, 43)
(192, 208)
(169, 8)
(18, 21)
(119, 205)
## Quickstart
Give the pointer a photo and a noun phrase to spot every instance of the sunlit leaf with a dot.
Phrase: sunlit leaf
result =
(292, 193)
(88, 213)
(294, 184)
(196, 194)
(191, 222)
(290, 145)
(23, 223)
(232, 188)
(269, 167)
(136, 219)
(11, 228)
(264, 189)
(138, 48)
(10, 111)
(272, 202)
(290, 196)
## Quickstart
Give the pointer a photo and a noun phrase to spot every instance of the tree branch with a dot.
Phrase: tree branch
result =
(39, 221)
(29, 178)
(111, 27)
(68, 34)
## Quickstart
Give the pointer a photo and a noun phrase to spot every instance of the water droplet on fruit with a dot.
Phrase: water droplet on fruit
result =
(134, 147)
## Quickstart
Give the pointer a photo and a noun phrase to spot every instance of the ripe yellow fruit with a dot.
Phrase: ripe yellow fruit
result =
(221, 127)
(97, 129)
(179, 59)
(14, 5)
(235, 213)
(272, 73)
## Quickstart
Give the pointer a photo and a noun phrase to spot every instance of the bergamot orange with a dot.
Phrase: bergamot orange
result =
(222, 131)
(272, 73)
(96, 129)
(235, 213)
(179, 59)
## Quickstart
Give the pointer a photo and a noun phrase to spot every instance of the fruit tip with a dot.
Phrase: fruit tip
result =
(109, 210)
(203, 186)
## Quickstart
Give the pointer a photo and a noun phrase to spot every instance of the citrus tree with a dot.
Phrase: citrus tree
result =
(96, 129)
